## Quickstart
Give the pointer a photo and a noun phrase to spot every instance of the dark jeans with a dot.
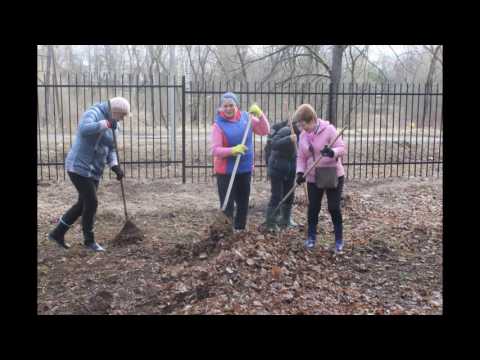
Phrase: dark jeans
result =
(280, 186)
(240, 195)
(315, 196)
(86, 206)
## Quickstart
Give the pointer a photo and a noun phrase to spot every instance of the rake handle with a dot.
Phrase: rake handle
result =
(307, 172)
(121, 180)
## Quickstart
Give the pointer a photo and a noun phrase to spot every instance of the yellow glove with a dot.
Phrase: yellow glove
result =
(255, 110)
(239, 149)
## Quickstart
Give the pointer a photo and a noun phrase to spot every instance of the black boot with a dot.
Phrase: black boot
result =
(286, 219)
(89, 241)
(58, 234)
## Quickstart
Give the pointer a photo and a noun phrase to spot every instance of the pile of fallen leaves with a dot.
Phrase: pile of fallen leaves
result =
(392, 264)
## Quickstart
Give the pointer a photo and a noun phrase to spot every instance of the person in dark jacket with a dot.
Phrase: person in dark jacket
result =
(281, 153)
(92, 149)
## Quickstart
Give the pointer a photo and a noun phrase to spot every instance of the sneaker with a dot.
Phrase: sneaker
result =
(310, 243)
(339, 246)
(95, 247)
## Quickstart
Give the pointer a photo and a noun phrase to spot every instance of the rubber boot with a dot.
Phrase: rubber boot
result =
(89, 241)
(286, 218)
(58, 234)
(270, 221)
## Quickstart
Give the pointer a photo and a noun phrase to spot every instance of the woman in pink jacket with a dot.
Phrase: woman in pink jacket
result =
(227, 133)
(314, 141)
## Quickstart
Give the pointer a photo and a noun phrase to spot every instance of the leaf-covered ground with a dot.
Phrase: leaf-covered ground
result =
(392, 262)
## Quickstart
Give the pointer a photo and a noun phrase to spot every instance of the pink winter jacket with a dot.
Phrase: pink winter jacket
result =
(323, 136)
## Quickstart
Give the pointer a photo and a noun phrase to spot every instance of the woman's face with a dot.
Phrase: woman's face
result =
(229, 108)
(308, 127)
(118, 115)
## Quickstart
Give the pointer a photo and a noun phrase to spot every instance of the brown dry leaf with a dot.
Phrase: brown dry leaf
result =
(276, 272)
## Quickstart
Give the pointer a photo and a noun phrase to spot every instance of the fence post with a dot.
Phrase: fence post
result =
(183, 131)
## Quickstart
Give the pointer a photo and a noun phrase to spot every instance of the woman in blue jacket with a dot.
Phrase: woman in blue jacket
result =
(92, 149)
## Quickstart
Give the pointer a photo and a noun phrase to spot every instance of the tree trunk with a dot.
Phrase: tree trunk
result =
(335, 77)
(429, 85)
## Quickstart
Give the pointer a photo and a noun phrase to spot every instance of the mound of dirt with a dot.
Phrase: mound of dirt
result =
(130, 234)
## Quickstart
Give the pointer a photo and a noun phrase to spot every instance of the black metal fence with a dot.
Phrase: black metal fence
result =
(393, 129)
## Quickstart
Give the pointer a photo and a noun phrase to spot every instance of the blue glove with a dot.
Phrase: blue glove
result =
(327, 151)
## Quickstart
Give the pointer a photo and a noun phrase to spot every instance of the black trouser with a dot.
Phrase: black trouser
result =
(315, 196)
(240, 195)
(280, 186)
(86, 206)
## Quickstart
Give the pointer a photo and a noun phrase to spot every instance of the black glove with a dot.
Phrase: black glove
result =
(112, 124)
(116, 169)
(300, 178)
(327, 151)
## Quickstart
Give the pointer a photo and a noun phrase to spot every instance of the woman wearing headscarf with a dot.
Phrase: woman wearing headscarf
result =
(227, 133)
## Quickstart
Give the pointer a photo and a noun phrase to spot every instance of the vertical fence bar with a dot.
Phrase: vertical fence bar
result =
(411, 130)
(191, 131)
(429, 127)
(440, 142)
(76, 98)
(281, 103)
(198, 130)
(423, 131)
(160, 112)
(146, 127)
(386, 130)
(205, 116)
(368, 130)
(355, 132)
(380, 131)
(131, 122)
(393, 128)
(55, 110)
(183, 131)
(361, 131)
(175, 98)
(69, 111)
(138, 127)
(63, 126)
(123, 132)
(100, 99)
(152, 102)
(435, 131)
(349, 130)
(416, 130)
(39, 158)
(321, 102)
(399, 125)
(46, 132)
(374, 125)
(405, 132)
